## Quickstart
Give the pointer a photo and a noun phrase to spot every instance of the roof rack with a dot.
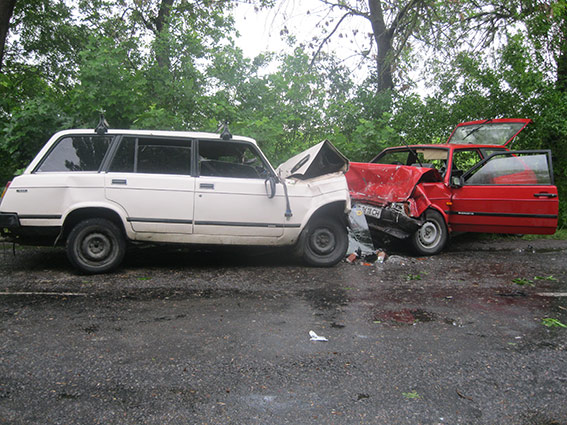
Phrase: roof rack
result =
(225, 134)
(102, 126)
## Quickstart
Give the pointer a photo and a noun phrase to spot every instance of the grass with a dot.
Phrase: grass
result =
(553, 323)
(412, 395)
(560, 234)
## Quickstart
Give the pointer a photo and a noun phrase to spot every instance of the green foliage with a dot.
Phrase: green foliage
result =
(181, 70)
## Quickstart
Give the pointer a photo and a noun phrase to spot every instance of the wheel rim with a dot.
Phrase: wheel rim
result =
(97, 248)
(429, 234)
(322, 241)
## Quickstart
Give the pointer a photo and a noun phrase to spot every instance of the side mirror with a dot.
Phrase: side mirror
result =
(270, 184)
(457, 181)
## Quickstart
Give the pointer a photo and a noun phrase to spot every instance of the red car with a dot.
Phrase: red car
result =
(472, 183)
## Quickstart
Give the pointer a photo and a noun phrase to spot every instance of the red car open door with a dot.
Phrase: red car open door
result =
(507, 192)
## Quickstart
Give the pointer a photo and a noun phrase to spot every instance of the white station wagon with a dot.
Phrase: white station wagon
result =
(97, 191)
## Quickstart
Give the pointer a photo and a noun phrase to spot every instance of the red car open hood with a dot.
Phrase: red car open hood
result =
(498, 131)
(381, 184)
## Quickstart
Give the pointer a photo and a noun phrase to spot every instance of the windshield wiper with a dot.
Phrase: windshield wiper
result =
(474, 130)
(414, 154)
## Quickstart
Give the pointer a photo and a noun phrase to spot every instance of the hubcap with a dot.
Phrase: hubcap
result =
(429, 234)
(322, 241)
(96, 247)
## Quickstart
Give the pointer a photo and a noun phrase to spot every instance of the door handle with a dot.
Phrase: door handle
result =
(206, 186)
(119, 181)
(545, 195)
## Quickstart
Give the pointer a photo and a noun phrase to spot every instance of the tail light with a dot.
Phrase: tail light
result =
(4, 191)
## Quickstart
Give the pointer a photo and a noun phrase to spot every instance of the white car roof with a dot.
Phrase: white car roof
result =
(158, 133)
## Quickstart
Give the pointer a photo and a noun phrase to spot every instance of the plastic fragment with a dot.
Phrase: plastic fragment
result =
(315, 337)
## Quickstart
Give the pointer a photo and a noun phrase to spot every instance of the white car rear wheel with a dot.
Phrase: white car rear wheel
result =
(96, 245)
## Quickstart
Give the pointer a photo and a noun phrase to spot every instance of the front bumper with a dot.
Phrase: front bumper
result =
(392, 221)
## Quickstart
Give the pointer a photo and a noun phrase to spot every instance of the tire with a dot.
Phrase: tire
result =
(432, 237)
(324, 242)
(95, 246)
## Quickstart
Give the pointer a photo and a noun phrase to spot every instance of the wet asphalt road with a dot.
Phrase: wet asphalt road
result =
(184, 337)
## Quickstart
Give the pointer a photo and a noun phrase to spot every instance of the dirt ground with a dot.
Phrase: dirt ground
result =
(470, 336)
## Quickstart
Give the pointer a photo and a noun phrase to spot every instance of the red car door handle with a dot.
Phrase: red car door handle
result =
(545, 195)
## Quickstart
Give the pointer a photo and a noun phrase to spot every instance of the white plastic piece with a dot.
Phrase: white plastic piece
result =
(315, 337)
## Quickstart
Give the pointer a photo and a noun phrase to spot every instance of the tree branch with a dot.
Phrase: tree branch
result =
(351, 10)
(401, 15)
(327, 38)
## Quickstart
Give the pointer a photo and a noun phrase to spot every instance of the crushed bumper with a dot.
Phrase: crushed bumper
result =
(391, 221)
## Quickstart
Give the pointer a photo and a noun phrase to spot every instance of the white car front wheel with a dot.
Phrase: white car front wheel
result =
(324, 242)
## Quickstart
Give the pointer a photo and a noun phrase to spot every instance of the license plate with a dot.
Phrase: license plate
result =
(371, 211)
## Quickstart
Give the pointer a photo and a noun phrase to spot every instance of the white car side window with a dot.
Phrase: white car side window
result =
(152, 156)
(76, 153)
(230, 159)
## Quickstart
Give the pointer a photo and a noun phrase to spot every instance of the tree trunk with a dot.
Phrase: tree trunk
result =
(383, 38)
(160, 22)
(561, 82)
(6, 11)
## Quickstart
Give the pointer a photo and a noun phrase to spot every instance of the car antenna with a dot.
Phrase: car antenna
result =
(102, 126)
(225, 134)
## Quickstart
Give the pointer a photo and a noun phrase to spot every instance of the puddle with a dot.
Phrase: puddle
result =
(326, 298)
(405, 316)
(267, 402)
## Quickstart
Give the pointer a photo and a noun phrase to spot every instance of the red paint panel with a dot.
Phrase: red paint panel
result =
(504, 209)
(381, 184)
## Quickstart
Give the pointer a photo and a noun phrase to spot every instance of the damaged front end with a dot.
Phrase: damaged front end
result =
(390, 196)
(321, 159)
(392, 219)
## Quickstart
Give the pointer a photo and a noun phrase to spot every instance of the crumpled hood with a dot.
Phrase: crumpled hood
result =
(321, 159)
(381, 184)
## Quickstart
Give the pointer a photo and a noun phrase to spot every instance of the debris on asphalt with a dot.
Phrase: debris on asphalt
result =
(367, 258)
(315, 337)
(352, 258)
(552, 294)
(466, 397)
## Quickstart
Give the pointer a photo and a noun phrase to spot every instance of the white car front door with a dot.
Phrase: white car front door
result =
(232, 192)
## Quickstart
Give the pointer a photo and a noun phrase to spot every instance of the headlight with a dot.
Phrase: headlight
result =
(401, 207)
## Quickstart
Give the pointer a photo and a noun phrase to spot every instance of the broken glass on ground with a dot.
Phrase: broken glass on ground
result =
(361, 245)
(359, 238)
